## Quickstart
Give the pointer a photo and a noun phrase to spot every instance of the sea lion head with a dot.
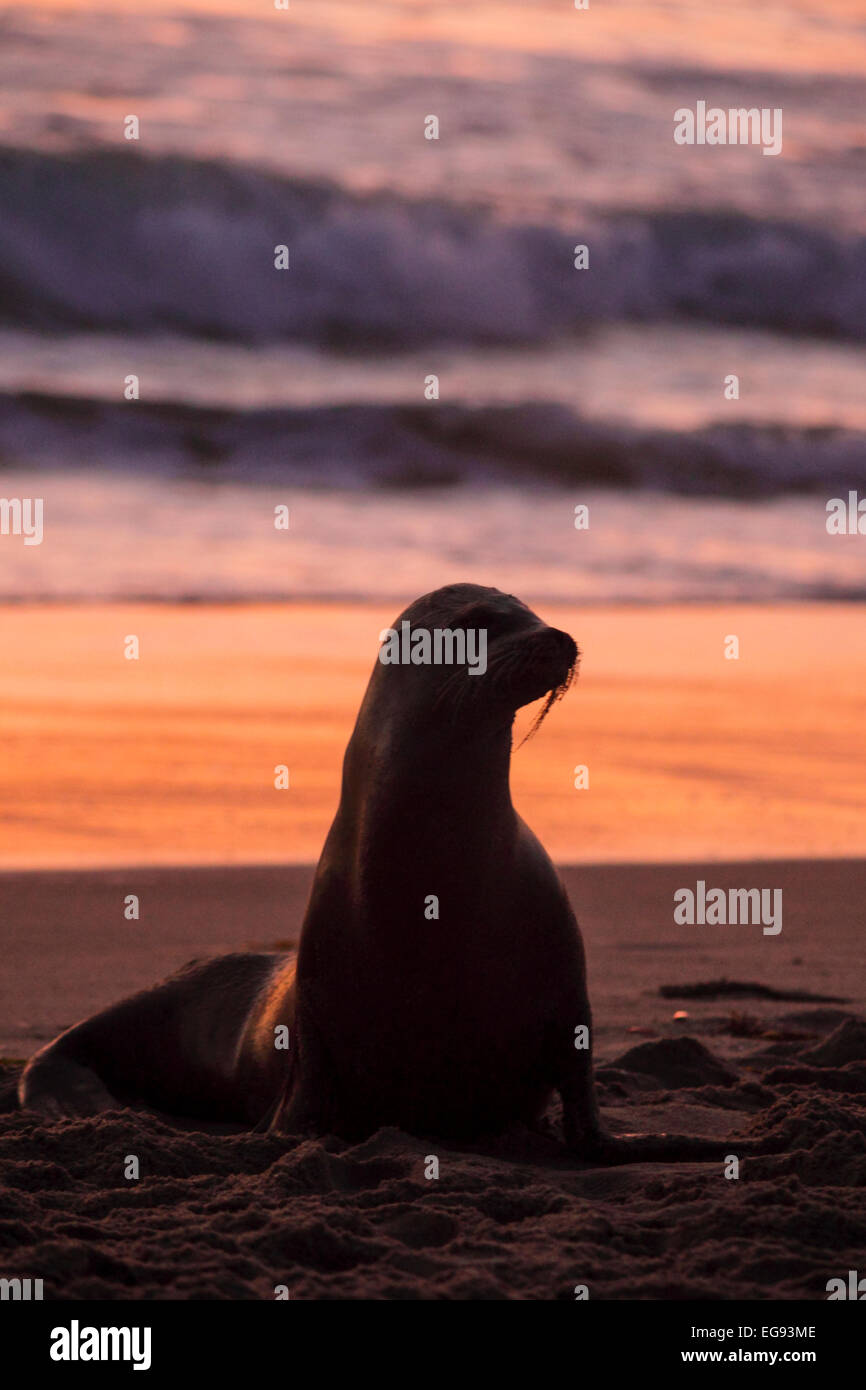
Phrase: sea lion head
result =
(510, 658)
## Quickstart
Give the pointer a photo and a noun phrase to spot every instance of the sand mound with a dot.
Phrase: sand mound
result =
(676, 1062)
(846, 1044)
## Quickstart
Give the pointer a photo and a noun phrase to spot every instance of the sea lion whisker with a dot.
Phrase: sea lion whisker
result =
(553, 697)
(451, 685)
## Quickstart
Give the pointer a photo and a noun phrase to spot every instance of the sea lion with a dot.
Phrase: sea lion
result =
(457, 1025)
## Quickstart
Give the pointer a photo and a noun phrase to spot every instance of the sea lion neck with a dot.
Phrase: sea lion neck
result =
(421, 791)
(411, 762)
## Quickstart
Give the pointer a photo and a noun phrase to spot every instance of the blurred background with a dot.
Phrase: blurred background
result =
(410, 258)
(308, 387)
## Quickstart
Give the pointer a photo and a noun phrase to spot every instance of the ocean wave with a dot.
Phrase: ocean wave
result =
(435, 444)
(117, 240)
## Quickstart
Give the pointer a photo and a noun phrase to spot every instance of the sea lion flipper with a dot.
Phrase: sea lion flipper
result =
(178, 1047)
(308, 1101)
(581, 1123)
(266, 1123)
(610, 1149)
(57, 1087)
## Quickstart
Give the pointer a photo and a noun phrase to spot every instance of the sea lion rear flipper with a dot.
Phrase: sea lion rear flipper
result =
(58, 1086)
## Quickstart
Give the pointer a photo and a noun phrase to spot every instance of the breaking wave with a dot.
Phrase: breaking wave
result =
(111, 239)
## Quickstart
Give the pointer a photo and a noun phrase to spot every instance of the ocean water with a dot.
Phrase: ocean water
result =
(412, 258)
(133, 536)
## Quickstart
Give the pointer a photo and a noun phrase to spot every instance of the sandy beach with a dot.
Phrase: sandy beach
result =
(230, 1215)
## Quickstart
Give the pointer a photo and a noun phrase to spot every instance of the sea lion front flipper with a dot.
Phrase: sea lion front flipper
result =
(670, 1148)
(581, 1122)
(306, 1103)
(266, 1123)
(596, 1145)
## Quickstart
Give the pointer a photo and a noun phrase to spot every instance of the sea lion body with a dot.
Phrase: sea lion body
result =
(457, 1022)
(193, 1045)
(462, 1023)
(455, 1026)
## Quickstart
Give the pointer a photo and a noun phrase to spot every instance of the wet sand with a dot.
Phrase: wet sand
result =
(171, 758)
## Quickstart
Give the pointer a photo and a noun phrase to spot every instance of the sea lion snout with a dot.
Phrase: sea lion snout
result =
(546, 662)
(563, 652)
